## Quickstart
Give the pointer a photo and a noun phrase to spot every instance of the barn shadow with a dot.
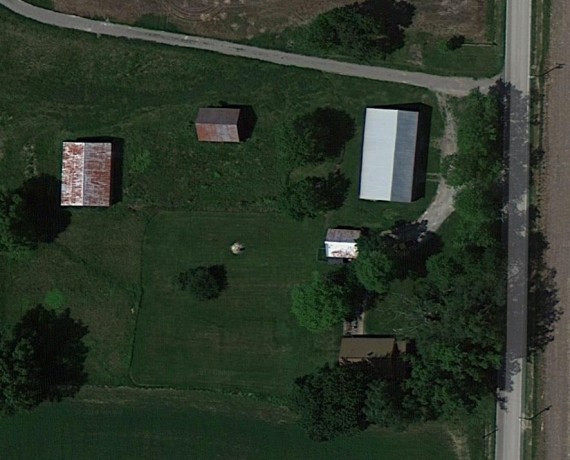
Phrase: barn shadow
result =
(117, 162)
(247, 119)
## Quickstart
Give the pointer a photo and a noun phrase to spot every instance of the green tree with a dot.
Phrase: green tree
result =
(460, 341)
(314, 137)
(378, 262)
(478, 160)
(314, 195)
(479, 216)
(385, 405)
(42, 360)
(375, 270)
(455, 42)
(321, 303)
(205, 283)
(371, 28)
(331, 401)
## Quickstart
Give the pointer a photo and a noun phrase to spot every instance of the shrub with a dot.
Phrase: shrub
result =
(205, 283)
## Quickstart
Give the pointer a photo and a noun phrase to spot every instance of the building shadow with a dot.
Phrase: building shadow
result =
(247, 118)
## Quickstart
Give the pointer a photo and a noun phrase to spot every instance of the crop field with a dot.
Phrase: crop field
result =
(279, 24)
(141, 424)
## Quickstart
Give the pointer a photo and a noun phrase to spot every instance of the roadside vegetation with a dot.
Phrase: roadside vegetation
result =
(453, 304)
(381, 33)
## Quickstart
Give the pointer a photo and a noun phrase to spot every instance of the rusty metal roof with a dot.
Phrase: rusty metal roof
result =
(217, 125)
(86, 174)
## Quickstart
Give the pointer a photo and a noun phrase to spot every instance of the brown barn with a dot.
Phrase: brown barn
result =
(86, 174)
(384, 353)
(355, 349)
(219, 124)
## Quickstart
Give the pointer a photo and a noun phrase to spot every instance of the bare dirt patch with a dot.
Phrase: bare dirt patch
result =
(239, 19)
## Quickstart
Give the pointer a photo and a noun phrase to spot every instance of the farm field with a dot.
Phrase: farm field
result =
(182, 202)
(278, 24)
(140, 424)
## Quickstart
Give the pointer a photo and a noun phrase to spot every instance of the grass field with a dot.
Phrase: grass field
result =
(121, 424)
(184, 203)
(60, 85)
(96, 266)
(246, 339)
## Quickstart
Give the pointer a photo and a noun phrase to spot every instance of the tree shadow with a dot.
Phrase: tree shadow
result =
(59, 351)
(247, 119)
(333, 189)
(117, 161)
(413, 245)
(543, 302)
(396, 16)
(219, 273)
(42, 218)
(333, 128)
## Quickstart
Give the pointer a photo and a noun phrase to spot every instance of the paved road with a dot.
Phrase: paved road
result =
(517, 67)
(450, 85)
(555, 423)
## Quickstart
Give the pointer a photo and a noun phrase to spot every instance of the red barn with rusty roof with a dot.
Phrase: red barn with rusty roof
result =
(86, 174)
(215, 124)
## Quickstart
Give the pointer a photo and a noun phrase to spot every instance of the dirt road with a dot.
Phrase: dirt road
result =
(456, 86)
(555, 424)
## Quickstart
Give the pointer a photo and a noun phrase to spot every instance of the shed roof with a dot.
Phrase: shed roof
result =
(389, 155)
(360, 348)
(86, 174)
(218, 124)
(341, 243)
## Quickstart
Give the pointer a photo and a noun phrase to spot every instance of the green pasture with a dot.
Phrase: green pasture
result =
(246, 339)
(95, 267)
(120, 424)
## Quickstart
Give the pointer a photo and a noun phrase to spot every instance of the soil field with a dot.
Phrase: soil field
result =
(555, 424)
(240, 19)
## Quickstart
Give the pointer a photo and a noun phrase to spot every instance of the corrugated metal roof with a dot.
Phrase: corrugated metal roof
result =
(86, 174)
(217, 125)
(388, 155)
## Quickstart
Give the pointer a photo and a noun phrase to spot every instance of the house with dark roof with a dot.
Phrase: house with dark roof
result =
(383, 353)
(86, 174)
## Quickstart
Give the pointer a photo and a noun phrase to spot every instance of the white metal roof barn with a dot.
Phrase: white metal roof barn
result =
(390, 156)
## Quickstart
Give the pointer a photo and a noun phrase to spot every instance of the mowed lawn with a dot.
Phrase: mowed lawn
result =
(246, 339)
(95, 267)
(142, 424)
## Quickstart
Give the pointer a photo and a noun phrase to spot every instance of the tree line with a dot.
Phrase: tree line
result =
(455, 303)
